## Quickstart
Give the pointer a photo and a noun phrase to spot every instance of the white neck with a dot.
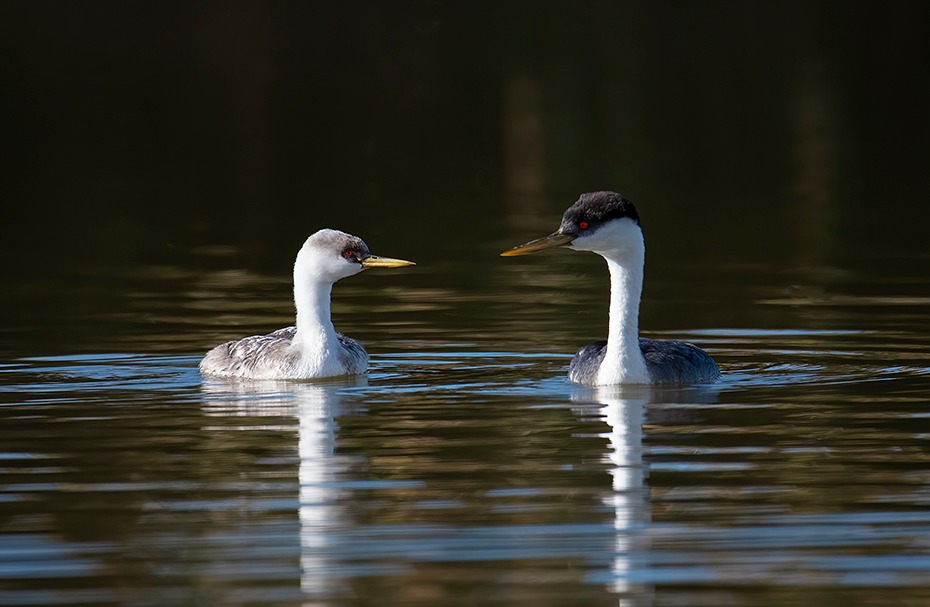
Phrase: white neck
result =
(623, 360)
(316, 338)
(312, 300)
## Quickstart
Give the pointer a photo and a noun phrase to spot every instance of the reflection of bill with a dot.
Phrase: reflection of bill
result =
(316, 407)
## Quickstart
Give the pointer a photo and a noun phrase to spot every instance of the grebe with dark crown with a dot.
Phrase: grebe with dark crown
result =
(312, 348)
(608, 224)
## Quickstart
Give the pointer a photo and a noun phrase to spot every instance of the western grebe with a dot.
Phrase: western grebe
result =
(608, 224)
(312, 348)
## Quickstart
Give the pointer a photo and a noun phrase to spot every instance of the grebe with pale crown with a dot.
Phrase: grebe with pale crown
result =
(312, 348)
(608, 224)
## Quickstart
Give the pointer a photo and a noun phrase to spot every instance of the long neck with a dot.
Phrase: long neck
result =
(314, 325)
(623, 361)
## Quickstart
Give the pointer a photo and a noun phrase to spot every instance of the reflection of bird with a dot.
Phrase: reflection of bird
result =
(312, 348)
(608, 224)
(323, 523)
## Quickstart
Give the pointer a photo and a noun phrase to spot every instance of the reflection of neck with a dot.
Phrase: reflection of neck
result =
(624, 413)
(319, 517)
(623, 360)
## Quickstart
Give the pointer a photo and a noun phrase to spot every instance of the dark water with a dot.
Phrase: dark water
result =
(169, 162)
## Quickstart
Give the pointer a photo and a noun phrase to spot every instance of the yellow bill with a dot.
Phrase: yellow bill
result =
(373, 261)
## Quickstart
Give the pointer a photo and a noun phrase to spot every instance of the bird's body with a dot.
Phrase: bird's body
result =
(608, 224)
(311, 348)
(275, 356)
(668, 361)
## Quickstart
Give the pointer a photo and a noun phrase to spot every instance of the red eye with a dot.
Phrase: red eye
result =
(583, 225)
(348, 254)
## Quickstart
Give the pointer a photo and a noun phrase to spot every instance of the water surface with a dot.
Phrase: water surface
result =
(461, 472)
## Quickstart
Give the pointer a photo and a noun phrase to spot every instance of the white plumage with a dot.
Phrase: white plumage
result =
(311, 348)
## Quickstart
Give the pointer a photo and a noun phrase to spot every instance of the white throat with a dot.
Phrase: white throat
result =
(621, 244)
(317, 345)
(312, 300)
(623, 360)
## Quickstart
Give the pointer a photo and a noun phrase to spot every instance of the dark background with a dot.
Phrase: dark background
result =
(791, 134)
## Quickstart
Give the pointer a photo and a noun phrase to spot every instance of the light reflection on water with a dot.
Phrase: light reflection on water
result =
(486, 471)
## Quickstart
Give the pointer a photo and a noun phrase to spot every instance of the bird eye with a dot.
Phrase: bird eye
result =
(348, 253)
(583, 225)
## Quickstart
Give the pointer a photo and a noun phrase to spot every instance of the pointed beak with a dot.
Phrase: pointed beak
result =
(373, 261)
(547, 242)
